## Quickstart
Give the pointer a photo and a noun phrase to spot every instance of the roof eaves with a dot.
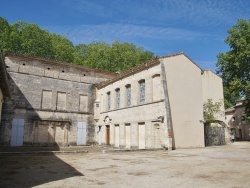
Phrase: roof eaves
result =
(129, 72)
(10, 54)
(177, 54)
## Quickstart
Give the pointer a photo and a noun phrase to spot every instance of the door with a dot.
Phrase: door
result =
(81, 133)
(117, 134)
(99, 135)
(107, 135)
(157, 140)
(127, 131)
(17, 132)
(142, 144)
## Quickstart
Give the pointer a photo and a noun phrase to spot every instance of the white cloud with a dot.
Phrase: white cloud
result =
(111, 32)
(205, 13)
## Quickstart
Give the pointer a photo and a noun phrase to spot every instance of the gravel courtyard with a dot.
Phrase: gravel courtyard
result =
(225, 166)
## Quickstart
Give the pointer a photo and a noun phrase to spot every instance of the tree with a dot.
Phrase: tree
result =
(62, 48)
(234, 65)
(5, 31)
(116, 57)
(211, 111)
(29, 39)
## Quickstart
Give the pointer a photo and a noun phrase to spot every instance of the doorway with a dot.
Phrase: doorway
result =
(17, 132)
(107, 135)
(81, 133)
(142, 132)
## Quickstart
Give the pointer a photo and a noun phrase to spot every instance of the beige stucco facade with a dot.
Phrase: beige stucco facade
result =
(212, 88)
(172, 114)
(184, 86)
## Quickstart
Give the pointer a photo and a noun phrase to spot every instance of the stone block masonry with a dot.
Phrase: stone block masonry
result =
(51, 99)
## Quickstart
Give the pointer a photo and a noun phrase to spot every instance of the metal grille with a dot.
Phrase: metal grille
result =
(214, 136)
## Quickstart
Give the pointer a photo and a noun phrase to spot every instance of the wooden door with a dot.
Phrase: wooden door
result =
(107, 134)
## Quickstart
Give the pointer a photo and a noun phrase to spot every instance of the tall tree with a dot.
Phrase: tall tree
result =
(33, 40)
(5, 31)
(29, 39)
(62, 48)
(234, 65)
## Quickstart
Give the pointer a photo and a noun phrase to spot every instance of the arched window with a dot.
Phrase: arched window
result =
(117, 96)
(128, 95)
(108, 101)
(157, 87)
(142, 91)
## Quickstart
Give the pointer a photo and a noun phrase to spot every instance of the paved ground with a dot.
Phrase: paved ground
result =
(226, 166)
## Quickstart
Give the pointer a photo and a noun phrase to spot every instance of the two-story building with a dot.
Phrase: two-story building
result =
(156, 104)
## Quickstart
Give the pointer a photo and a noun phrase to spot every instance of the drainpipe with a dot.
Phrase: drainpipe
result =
(168, 122)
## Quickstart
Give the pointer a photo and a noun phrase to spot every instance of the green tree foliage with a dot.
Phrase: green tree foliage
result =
(211, 111)
(116, 57)
(29, 39)
(62, 48)
(234, 65)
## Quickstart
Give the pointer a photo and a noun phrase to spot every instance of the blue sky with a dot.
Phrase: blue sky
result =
(196, 27)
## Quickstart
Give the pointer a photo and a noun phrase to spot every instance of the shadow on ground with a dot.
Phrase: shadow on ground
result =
(30, 171)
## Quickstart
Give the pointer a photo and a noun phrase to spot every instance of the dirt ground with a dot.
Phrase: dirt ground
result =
(224, 166)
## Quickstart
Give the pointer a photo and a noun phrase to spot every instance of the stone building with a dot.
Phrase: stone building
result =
(237, 121)
(4, 85)
(50, 104)
(156, 104)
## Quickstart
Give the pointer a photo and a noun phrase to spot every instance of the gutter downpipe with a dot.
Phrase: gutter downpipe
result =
(168, 122)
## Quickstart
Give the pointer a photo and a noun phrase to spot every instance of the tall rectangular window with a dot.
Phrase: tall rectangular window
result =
(108, 101)
(128, 95)
(117, 93)
(83, 103)
(46, 99)
(142, 91)
(61, 101)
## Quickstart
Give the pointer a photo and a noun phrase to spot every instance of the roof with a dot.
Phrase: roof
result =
(142, 67)
(180, 53)
(4, 85)
(129, 72)
(60, 63)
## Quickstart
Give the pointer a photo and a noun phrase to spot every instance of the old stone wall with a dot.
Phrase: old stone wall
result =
(51, 98)
(129, 110)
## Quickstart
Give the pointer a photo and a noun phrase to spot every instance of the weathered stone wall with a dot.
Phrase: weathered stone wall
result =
(136, 125)
(52, 98)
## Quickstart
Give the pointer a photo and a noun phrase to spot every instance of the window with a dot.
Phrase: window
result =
(117, 95)
(157, 87)
(128, 95)
(83, 103)
(243, 119)
(61, 101)
(108, 101)
(46, 99)
(142, 91)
